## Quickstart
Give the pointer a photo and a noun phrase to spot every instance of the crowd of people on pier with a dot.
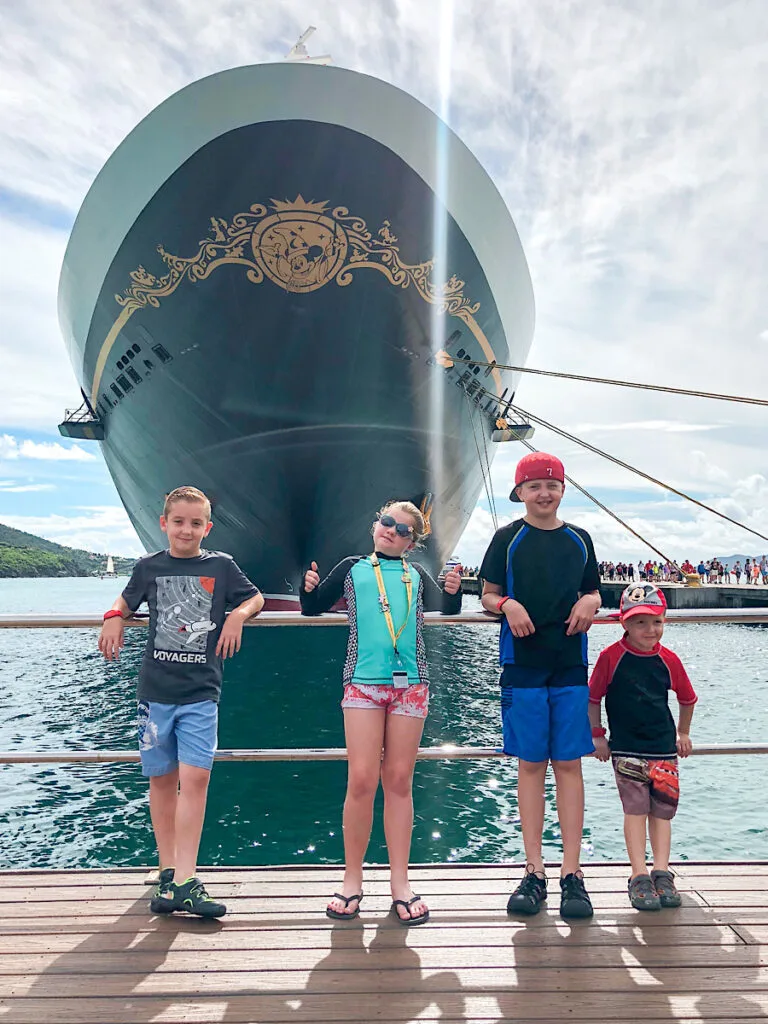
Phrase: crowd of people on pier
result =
(753, 571)
(540, 579)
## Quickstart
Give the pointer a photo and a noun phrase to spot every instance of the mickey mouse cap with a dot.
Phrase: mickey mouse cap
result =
(641, 599)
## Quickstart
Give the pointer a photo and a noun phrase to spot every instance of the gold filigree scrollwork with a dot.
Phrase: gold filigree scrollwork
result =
(227, 244)
(299, 246)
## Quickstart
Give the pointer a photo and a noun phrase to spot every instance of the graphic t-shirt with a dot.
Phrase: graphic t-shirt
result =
(546, 571)
(187, 599)
(370, 655)
(636, 686)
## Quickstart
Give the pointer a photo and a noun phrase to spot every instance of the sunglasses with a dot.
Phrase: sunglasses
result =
(401, 529)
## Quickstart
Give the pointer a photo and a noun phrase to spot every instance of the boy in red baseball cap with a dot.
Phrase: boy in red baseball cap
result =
(635, 676)
(540, 574)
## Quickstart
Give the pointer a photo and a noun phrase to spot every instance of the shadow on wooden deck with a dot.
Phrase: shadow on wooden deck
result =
(81, 947)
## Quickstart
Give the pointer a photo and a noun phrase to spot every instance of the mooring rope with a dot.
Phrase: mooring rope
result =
(743, 399)
(633, 469)
(486, 482)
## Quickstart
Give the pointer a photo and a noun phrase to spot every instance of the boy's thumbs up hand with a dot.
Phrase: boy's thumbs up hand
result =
(311, 577)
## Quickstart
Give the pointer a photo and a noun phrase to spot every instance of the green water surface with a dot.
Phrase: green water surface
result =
(283, 690)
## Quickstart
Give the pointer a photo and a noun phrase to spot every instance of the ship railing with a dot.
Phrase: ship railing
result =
(678, 616)
(443, 752)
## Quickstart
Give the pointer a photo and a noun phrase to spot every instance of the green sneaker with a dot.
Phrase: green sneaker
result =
(162, 897)
(192, 897)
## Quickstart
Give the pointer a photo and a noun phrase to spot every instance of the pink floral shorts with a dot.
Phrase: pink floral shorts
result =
(409, 700)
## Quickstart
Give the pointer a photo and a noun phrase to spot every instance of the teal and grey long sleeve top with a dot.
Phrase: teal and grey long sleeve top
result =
(370, 656)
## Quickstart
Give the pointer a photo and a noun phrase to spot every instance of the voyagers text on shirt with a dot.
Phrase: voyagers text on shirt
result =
(187, 599)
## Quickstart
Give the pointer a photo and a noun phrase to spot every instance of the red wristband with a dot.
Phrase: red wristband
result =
(501, 602)
(113, 613)
(597, 731)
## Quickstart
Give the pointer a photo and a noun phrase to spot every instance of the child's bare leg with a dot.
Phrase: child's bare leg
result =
(364, 731)
(401, 742)
(530, 801)
(190, 813)
(570, 811)
(634, 836)
(163, 796)
(660, 831)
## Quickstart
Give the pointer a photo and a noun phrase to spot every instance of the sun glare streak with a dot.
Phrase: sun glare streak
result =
(440, 242)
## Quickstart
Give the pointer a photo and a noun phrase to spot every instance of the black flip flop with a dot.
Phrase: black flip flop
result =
(409, 921)
(337, 915)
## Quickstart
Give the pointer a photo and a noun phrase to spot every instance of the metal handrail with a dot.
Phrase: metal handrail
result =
(438, 753)
(89, 620)
(445, 752)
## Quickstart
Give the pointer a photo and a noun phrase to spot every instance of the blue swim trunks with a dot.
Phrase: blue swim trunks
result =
(544, 713)
(169, 733)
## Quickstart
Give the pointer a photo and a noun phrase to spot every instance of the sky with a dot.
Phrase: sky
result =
(629, 141)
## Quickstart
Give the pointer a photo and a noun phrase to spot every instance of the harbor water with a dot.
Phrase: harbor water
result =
(283, 690)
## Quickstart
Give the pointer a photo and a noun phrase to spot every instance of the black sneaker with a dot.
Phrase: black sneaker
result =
(192, 897)
(162, 897)
(666, 890)
(529, 895)
(574, 898)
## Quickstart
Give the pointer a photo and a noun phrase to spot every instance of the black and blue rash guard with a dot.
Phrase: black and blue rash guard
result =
(546, 571)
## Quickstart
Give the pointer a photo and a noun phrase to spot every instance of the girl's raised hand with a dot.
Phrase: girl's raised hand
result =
(311, 577)
(452, 581)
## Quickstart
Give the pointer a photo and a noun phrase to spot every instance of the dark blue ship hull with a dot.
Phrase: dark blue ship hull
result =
(265, 316)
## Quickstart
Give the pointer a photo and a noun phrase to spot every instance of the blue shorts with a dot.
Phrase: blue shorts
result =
(169, 733)
(548, 720)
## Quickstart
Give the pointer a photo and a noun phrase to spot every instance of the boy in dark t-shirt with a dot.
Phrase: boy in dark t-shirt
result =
(635, 676)
(188, 591)
(541, 575)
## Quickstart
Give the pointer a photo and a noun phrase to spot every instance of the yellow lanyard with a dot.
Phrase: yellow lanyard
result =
(384, 601)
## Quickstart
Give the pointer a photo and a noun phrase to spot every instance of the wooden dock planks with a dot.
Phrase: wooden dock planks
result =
(80, 946)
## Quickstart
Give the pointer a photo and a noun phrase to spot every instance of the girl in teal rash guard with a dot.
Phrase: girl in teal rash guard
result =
(386, 693)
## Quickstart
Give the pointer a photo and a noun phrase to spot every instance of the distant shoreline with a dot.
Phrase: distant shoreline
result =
(25, 556)
(64, 576)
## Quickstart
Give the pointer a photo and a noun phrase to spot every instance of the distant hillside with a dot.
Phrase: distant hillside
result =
(729, 560)
(24, 554)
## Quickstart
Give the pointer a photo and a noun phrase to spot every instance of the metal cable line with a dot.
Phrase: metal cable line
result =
(633, 469)
(618, 383)
(619, 462)
(486, 482)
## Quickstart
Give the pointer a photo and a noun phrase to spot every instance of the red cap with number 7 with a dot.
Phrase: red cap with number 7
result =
(537, 466)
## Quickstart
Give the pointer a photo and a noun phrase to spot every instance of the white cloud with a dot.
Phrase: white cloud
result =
(105, 529)
(763, 335)
(37, 382)
(707, 470)
(658, 426)
(49, 451)
(9, 487)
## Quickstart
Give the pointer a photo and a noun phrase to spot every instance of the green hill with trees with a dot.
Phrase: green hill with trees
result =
(24, 554)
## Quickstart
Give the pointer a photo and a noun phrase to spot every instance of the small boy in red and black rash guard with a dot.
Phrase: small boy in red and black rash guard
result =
(635, 676)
